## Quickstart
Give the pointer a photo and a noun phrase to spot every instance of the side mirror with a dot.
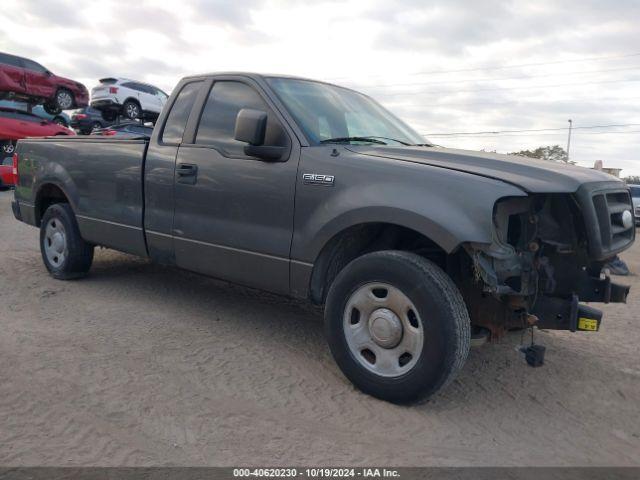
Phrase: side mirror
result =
(251, 126)
(48, 73)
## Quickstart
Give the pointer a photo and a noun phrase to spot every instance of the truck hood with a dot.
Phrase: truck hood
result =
(530, 174)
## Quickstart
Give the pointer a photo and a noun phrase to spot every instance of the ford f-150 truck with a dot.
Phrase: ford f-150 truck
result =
(311, 190)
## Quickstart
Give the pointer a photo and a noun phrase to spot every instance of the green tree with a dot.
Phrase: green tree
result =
(553, 153)
(633, 180)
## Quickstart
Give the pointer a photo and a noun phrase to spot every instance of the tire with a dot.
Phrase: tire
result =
(60, 121)
(8, 147)
(51, 108)
(94, 126)
(64, 99)
(131, 110)
(66, 256)
(433, 342)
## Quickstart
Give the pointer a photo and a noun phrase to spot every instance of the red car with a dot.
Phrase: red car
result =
(16, 124)
(25, 80)
(6, 173)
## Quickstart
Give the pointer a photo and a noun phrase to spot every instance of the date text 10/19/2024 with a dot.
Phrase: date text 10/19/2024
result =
(316, 472)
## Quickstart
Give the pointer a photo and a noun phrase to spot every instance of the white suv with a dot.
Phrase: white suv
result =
(132, 99)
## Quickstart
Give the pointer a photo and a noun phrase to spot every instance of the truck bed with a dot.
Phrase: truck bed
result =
(101, 177)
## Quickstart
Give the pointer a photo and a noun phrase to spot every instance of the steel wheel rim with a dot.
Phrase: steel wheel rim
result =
(132, 110)
(64, 100)
(8, 148)
(372, 316)
(55, 242)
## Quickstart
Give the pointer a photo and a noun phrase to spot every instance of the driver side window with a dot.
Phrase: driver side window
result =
(218, 120)
(33, 66)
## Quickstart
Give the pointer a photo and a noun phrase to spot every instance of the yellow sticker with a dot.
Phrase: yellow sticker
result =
(587, 324)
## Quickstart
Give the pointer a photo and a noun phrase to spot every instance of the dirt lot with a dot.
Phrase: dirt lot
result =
(144, 365)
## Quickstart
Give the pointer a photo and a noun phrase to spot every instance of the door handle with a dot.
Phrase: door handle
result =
(187, 173)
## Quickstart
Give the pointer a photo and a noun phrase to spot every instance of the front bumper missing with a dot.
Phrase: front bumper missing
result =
(555, 313)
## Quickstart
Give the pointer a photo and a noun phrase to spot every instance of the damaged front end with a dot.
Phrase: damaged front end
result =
(547, 256)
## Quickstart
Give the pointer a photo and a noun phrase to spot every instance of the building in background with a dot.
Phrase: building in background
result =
(611, 171)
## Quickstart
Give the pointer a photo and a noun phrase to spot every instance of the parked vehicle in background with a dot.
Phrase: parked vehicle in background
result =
(316, 191)
(125, 130)
(635, 196)
(18, 124)
(23, 79)
(6, 172)
(60, 118)
(129, 98)
(87, 119)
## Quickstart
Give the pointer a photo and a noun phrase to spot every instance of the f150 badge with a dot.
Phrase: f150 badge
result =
(318, 179)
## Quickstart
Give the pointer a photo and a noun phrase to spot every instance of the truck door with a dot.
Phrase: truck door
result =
(11, 74)
(160, 163)
(38, 79)
(234, 213)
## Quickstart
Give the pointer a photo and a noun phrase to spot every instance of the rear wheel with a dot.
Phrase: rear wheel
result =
(397, 325)
(65, 254)
(131, 110)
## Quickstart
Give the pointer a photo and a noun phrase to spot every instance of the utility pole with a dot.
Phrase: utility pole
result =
(569, 139)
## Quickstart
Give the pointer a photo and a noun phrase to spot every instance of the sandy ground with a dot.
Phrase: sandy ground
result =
(144, 365)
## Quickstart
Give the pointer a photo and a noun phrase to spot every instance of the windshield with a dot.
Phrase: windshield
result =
(330, 114)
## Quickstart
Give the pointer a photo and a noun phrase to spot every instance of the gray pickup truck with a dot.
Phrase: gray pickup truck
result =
(315, 191)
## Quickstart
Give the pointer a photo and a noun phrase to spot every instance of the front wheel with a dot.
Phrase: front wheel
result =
(8, 147)
(397, 325)
(65, 254)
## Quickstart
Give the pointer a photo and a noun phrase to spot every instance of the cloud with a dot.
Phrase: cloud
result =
(445, 66)
(462, 26)
(235, 13)
(51, 12)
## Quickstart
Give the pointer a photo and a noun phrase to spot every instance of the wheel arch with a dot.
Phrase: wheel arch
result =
(132, 99)
(357, 239)
(48, 194)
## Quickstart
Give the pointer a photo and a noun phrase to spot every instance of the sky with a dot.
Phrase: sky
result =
(449, 68)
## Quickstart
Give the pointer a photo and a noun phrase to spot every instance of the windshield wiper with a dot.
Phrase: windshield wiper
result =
(393, 140)
(353, 139)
